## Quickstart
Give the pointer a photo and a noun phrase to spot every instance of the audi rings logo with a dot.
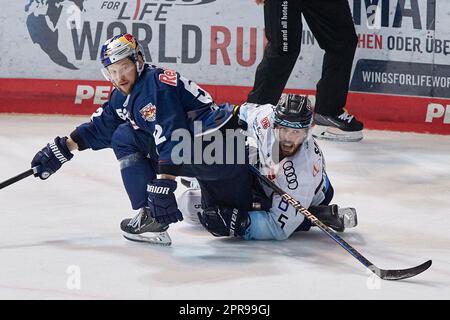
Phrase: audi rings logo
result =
(289, 174)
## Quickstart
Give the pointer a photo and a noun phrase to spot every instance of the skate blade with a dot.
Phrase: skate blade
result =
(157, 238)
(335, 134)
(349, 216)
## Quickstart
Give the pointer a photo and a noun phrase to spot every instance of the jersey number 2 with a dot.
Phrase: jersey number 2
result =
(158, 135)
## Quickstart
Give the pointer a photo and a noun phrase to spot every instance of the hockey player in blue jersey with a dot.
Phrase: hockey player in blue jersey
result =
(146, 107)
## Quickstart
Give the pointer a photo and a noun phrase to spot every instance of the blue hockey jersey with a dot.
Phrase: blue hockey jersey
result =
(161, 101)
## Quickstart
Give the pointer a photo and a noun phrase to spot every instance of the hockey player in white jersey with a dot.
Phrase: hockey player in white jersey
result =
(288, 154)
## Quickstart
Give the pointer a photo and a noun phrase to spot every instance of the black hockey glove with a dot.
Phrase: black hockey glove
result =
(161, 201)
(235, 122)
(51, 158)
(240, 123)
(224, 222)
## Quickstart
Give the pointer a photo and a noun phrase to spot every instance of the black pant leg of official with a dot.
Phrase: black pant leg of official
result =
(283, 28)
(332, 24)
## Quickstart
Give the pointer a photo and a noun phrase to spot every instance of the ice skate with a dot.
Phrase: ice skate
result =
(349, 217)
(344, 127)
(337, 218)
(144, 228)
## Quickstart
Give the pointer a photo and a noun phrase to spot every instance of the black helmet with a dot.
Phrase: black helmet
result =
(293, 111)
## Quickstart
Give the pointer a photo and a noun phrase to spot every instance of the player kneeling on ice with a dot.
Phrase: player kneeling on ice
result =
(146, 107)
(290, 157)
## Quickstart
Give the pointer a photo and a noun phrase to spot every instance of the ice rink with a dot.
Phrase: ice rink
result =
(60, 238)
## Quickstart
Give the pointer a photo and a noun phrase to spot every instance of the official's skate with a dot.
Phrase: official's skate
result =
(344, 127)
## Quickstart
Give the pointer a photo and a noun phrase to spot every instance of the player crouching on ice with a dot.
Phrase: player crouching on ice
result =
(291, 158)
(147, 105)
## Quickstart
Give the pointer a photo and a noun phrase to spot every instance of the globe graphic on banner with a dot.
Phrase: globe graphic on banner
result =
(42, 21)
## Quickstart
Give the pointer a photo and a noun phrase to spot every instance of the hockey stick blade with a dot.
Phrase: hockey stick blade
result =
(401, 274)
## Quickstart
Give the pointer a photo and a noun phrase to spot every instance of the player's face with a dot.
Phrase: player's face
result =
(123, 75)
(290, 139)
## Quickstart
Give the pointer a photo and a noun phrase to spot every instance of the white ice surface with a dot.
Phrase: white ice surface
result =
(399, 183)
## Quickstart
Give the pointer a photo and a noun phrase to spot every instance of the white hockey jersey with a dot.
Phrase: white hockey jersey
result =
(302, 175)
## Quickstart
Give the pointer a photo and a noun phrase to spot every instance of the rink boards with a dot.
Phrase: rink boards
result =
(400, 78)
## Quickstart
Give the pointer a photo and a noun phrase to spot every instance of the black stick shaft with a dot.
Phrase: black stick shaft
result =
(313, 219)
(19, 177)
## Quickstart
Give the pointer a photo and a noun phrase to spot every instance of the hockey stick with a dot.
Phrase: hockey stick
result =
(19, 177)
(382, 273)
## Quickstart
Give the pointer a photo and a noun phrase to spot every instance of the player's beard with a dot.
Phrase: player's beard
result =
(288, 149)
(126, 86)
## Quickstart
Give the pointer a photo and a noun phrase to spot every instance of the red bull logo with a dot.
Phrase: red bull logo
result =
(149, 112)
